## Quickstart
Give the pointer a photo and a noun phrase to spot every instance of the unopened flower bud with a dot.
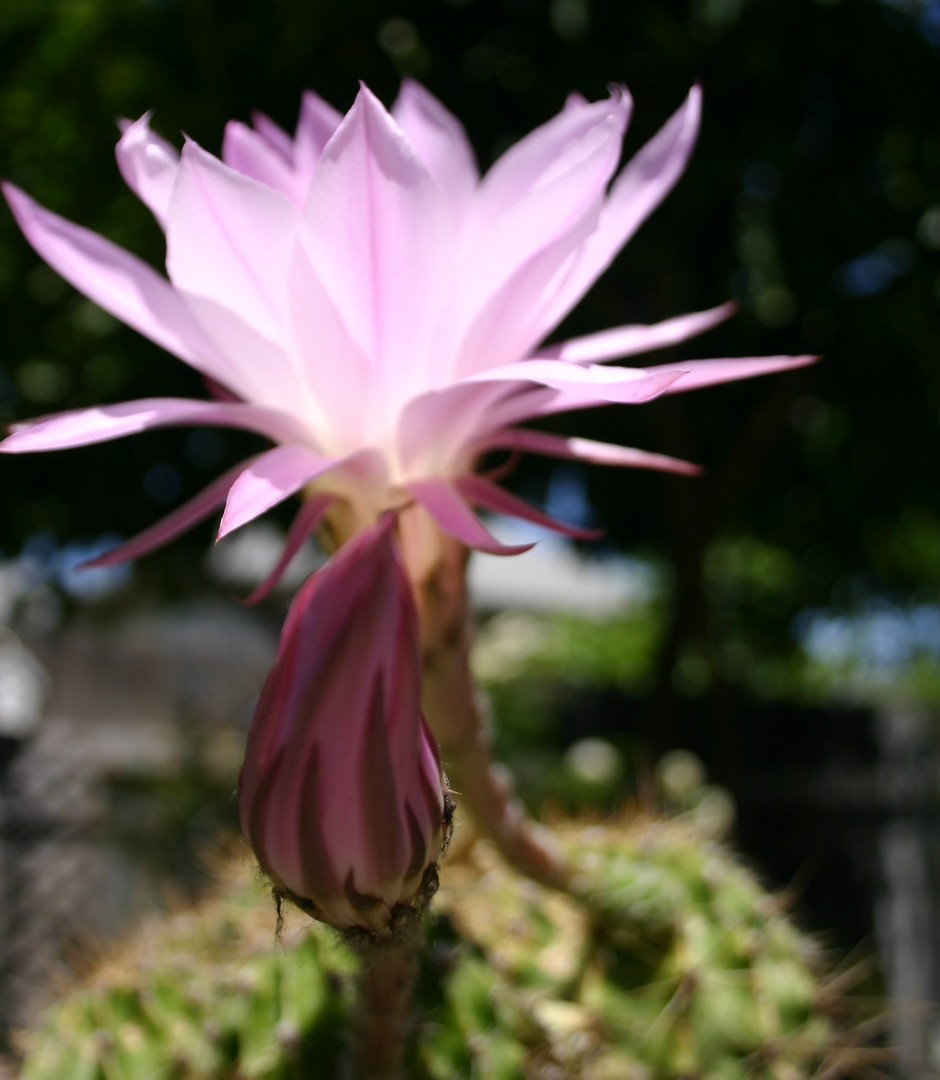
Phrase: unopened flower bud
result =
(341, 794)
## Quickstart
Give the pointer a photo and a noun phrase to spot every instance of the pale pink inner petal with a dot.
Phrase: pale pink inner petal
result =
(591, 382)
(378, 234)
(244, 150)
(623, 341)
(229, 239)
(439, 140)
(512, 317)
(333, 370)
(100, 423)
(277, 139)
(435, 427)
(315, 126)
(117, 281)
(270, 479)
(509, 260)
(641, 186)
(148, 165)
(259, 369)
(548, 152)
(697, 374)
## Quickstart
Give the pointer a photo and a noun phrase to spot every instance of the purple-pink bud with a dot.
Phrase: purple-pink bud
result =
(341, 793)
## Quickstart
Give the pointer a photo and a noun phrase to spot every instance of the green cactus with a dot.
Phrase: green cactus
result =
(668, 961)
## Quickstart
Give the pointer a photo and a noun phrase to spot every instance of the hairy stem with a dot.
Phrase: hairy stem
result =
(437, 566)
(380, 1025)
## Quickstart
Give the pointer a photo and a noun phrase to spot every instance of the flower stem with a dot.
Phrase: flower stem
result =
(380, 1025)
(437, 566)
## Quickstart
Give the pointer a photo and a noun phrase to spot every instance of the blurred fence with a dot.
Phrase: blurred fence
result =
(106, 805)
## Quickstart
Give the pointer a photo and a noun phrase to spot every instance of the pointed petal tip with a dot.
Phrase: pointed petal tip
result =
(505, 549)
(125, 124)
(14, 196)
(97, 563)
(227, 524)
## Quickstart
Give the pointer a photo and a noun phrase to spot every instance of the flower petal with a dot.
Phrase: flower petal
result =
(277, 474)
(622, 341)
(175, 524)
(701, 373)
(538, 159)
(378, 235)
(479, 491)
(100, 423)
(270, 479)
(576, 449)
(315, 126)
(440, 141)
(117, 281)
(449, 509)
(588, 383)
(513, 254)
(148, 165)
(435, 427)
(258, 368)
(642, 185)
(333, 371)
(244, 150)
(501, 318)
(276, 138)
(332, 811)
(305, 523)
(228, 239)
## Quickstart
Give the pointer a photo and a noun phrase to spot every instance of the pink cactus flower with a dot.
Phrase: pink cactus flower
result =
(341, 791)
(359, 295)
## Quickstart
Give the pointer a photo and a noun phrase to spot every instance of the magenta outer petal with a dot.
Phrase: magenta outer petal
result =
(341, 793)
(148, 165)
(303, 526)
(82, 427)
(447, 506)
(175, 524)
(596, 453)
(117, 281)
(702, 373)
(622, 341)
(270, 479)
(482, 492)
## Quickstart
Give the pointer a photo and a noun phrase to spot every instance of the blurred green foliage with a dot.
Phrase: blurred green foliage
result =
(668, 961)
